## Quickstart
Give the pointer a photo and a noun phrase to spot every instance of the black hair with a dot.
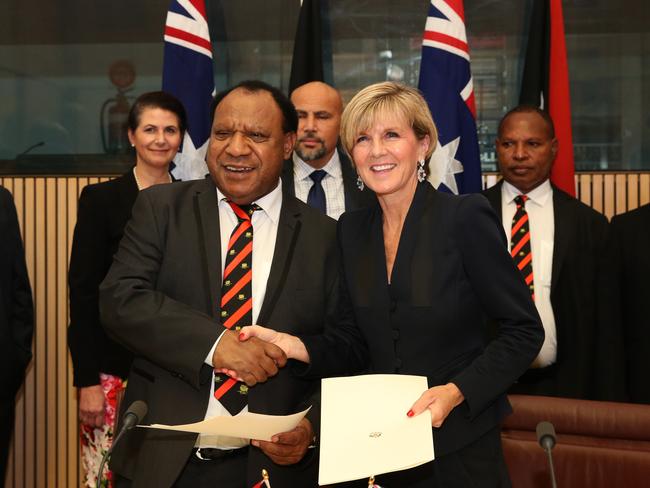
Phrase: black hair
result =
(527, 109)
(289, 115)
(157, 99)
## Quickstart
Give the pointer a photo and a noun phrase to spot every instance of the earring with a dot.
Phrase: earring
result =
(422, 174)
(360, 184)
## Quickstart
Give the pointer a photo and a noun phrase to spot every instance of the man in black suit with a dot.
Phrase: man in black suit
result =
(16, 320)
(630, 235)
(319, 173)
(163, 299)
(567, 240)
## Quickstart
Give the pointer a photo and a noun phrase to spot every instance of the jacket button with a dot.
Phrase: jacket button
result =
(398, 363)
(395, 334)
(393, 306)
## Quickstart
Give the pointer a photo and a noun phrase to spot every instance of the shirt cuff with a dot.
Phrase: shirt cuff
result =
(208, 358)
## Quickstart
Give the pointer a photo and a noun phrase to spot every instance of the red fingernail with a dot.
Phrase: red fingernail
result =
(410, 413)
(242, 336)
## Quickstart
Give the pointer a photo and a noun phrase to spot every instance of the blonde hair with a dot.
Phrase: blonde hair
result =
(387, 99)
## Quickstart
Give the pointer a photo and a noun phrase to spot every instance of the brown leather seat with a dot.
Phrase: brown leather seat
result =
(599, 444)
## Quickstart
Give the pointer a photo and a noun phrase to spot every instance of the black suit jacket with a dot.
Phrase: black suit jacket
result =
(354, 198)
(161, 299)
(16, 309)
(630, 237)
(104, 209)
(588, 341)
(451, 272)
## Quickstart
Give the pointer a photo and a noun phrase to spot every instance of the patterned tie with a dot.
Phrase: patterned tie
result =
(316, 196)
(236, 300)
(520, 248)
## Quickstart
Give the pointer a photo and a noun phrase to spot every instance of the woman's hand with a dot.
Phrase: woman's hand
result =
(440, 400)
(291, 345)
(91, 405)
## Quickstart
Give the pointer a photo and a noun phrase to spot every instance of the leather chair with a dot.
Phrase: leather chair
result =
(599, 444)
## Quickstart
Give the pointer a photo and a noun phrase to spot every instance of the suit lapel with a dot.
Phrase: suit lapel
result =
(126, 193)
(287, 178)
(206, 212)
(493, 195)
(350, 190)
(288, 231)
(129, 187)
(368, 264)
(562, 232)
(403, 273)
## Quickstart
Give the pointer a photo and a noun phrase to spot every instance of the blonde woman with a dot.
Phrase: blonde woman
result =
(423, 270)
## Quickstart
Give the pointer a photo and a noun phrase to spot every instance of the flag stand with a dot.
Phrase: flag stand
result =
(265, 482)
(371, 482)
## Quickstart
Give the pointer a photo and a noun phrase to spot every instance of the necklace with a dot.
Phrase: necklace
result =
(137, 181)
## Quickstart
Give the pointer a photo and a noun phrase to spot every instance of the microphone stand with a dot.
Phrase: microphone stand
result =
(546, 438)
(550, 463)
(136, 412)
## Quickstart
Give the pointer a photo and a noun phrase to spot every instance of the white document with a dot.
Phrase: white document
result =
(246, 425)
(365, 430)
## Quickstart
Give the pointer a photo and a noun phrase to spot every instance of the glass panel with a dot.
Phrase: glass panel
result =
(66, 72)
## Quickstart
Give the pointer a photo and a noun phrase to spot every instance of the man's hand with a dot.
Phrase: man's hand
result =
(440, 400)
(91, 405)
(288, 447)
(254, 360)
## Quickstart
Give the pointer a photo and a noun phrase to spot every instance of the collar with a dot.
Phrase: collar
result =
(271, 203)
(302, 170)
(539, 195)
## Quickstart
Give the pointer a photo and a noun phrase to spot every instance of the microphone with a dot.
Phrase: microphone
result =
(546, 438)
(134, 414)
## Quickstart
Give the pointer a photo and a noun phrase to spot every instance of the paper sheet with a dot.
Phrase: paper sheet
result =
(246, 425)
(365, 430)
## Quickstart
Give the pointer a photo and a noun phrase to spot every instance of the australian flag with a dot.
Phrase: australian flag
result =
(187, 74)
(446, 82)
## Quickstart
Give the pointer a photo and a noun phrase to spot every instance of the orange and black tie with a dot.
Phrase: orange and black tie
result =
(520, 248)
(236, 300)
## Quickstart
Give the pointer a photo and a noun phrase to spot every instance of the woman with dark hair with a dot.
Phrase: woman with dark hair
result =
(423, 271)
(156, 126)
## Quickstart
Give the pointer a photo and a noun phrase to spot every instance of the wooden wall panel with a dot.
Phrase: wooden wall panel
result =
(45, 448)
(644, 189)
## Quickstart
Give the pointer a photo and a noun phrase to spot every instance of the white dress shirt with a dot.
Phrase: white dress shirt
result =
(539, 207)
(332, 183)
(265, 230)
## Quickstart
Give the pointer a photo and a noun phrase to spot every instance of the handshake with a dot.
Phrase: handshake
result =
(253, 355)
(256, 353)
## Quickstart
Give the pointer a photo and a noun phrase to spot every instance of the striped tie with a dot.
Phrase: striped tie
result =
(236, 300)
(520, 248)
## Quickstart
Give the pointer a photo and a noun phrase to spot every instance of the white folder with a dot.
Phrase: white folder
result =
(365, 430)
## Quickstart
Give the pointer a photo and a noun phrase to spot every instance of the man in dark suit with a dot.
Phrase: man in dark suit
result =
(566, 240)
(319, 173)
(164, 298)
(16, 320)
(630, 236)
